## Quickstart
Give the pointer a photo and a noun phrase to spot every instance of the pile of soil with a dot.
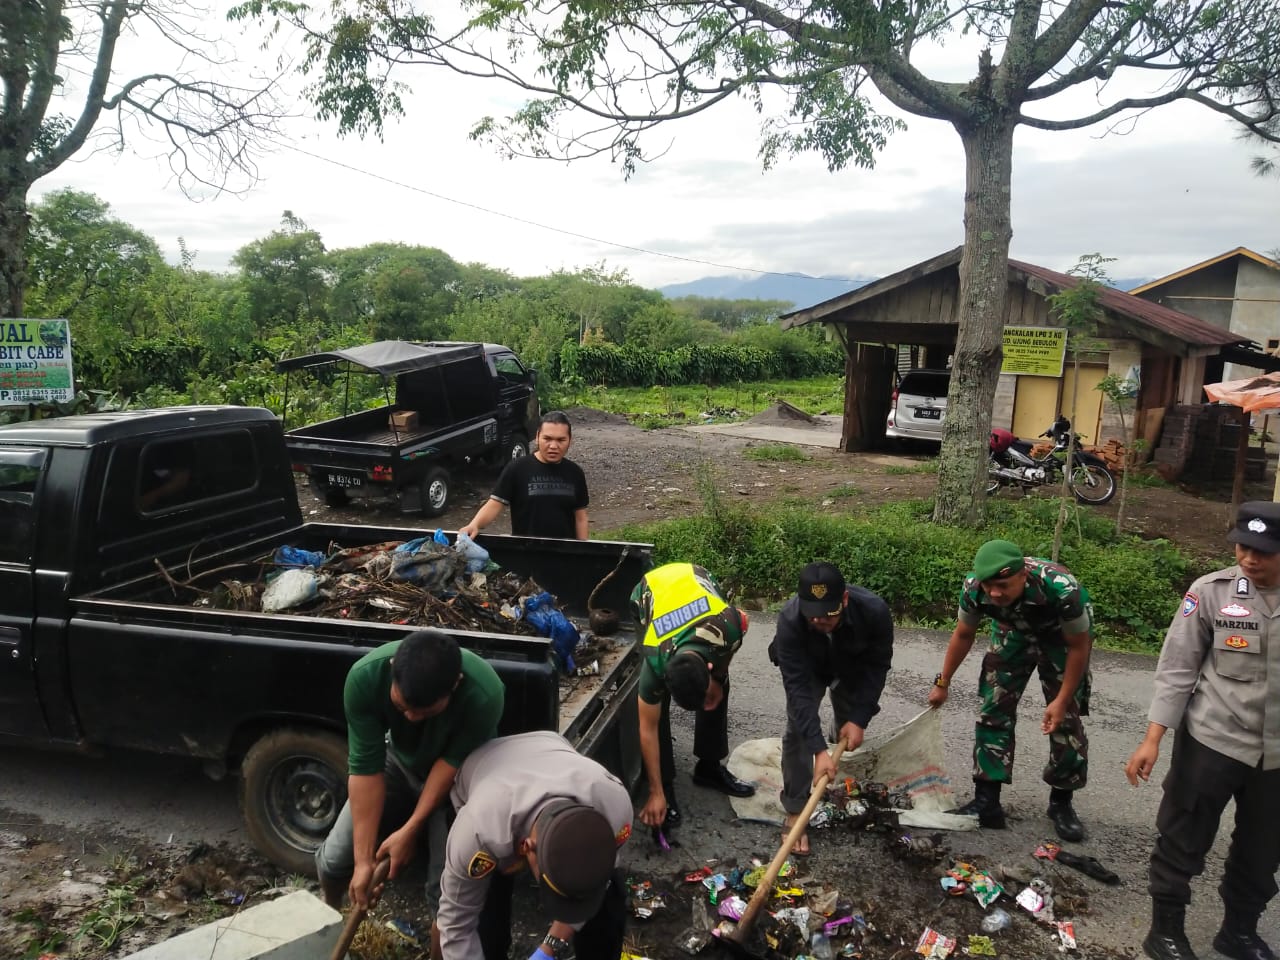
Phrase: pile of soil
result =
(786, 414)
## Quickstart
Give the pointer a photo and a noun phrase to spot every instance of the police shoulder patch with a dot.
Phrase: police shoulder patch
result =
(481, 865)
(623, 835)
(1189, 604)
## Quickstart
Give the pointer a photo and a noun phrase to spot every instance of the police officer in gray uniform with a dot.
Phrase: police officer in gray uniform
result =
(532, 800)
(1218, 685)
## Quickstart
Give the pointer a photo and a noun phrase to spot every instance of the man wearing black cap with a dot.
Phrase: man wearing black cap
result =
(836, 636)
(689, 636)
(533, 801)
(1041, 620)
(1217, 684)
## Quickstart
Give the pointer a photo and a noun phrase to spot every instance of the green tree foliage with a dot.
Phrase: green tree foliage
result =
(731, 315)
(207, 128)
(391, 291)
(284, 275)
(161, 333)
(90, 268)
(600, 76)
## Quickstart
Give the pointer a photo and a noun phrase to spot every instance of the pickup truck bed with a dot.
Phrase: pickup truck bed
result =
(100, 651)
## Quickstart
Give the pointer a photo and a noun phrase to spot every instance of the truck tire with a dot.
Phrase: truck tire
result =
(517, 446)
(332, 496)
(293, 783)
(435, 491)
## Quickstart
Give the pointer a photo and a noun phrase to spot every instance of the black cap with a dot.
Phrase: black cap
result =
(821, 590)
(577, 851)
(1258, 526)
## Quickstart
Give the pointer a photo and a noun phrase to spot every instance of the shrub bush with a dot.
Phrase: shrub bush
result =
(918, 566)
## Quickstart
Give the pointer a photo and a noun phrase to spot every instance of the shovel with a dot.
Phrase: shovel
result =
(357, 914)
(736, 941)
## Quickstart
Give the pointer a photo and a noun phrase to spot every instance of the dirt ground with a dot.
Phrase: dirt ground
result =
(639, 475)
(92, 894)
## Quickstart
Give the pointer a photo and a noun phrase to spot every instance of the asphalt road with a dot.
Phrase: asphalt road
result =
(170, 801)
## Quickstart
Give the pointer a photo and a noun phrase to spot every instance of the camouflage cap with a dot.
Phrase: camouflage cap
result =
(997, 558)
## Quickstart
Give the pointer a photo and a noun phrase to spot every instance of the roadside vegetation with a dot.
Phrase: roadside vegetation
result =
(146, 332)
(917, 565)
(663, 405)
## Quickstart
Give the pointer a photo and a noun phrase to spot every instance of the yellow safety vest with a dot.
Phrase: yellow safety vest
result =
(680, 597)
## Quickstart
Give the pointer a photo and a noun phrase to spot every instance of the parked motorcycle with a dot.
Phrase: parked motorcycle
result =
(1012, 465)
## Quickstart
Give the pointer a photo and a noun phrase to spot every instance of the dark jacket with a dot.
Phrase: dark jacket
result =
(853, 662)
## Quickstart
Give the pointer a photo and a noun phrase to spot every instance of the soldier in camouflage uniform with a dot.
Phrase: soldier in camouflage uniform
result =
(1041, 619)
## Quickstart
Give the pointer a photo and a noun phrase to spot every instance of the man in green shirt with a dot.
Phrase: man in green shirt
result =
(690, 634)
(1041, 621)
(432, 703)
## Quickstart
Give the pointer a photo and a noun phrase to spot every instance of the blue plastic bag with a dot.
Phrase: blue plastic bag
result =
(540, 610)
(477, 556)
(440, 537)
(297, 557)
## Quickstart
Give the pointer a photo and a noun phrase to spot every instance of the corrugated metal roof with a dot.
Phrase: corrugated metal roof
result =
(1183, 326)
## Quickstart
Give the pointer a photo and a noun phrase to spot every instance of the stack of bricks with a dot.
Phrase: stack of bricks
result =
(1112, 453)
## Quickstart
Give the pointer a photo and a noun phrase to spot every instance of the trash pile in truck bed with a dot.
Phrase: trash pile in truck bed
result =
(428, 582)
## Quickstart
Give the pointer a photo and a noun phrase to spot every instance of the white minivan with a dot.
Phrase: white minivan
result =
(919, 405)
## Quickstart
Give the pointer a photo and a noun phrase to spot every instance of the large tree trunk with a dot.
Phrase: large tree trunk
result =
(984, 282)
(14, 221)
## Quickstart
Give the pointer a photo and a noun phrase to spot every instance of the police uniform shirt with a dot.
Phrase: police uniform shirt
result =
(499, 792)
(1220, 668)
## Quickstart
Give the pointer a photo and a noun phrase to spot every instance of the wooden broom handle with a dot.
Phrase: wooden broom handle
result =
(765, 889)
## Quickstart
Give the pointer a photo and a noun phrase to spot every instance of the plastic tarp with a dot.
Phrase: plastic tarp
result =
(907, 759)
(1253, 394)
(390, 357)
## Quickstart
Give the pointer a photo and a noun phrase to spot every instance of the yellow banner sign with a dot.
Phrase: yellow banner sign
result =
(35, 362)
(1037, 351)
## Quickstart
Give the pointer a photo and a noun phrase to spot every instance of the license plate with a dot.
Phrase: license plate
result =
(928, 413)
(346, 480)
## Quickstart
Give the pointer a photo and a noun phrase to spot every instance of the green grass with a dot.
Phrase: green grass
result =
(776, 452)
(662, 406)
(929, 467)
(918, 566)
(845, 491)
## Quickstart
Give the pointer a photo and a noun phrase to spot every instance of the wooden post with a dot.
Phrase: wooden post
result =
(1242, 451)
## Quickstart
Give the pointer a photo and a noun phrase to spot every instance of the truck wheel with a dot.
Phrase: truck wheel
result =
(435, 492)
(517, 447)
(293, 783)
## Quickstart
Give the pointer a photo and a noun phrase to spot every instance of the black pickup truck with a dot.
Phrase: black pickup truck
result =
(455, 404)
(100, 648)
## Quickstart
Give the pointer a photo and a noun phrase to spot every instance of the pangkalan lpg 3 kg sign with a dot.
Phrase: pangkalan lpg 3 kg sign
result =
(35, 362)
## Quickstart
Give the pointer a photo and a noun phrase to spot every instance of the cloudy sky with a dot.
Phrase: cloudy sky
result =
(1160, 194)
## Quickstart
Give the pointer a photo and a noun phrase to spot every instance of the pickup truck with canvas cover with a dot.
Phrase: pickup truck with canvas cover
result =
(455, 404)
(108, 522)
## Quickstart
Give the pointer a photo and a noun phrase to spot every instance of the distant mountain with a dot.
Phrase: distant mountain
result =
(795, 288)
(1128, 283)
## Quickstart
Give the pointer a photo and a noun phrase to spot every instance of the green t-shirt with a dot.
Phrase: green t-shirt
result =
(470, 719)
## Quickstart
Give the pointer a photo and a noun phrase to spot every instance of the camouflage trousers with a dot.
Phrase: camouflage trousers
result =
(1006, 669)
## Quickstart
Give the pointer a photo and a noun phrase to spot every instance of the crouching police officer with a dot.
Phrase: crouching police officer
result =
(690, 636)
(1218, 685)
(532, 800)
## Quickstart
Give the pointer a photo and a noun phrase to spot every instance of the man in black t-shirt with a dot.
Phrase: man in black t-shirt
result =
(547, 492)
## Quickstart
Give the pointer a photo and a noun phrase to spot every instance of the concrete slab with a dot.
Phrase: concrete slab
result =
(825, 433)
(297, 926)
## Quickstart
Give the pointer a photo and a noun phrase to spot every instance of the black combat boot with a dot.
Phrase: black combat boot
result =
(1167, 939)
(1064, 816)
(985, 805)
(1239, 938)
